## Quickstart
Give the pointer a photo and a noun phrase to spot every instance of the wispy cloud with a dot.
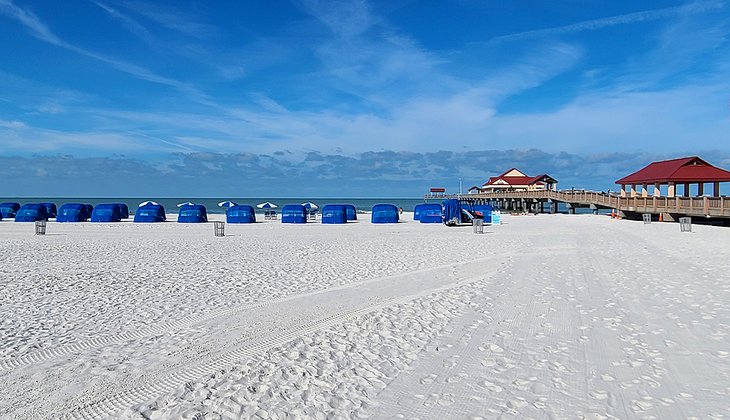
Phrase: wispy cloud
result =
(173, 19)
(130, 24)
(41, 31)
(629, 18)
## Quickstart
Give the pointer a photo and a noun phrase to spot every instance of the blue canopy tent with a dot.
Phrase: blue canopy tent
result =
(384, 213)
(31, 213)
(351, 212)
(430, 213)
(241, 214)
(294, 213)
(456, 212)
(72, 212)
(106, 213)
(123, 210)
(51, 210)
(8, 210)
(150, 212)
(485, 211)
(417, 211)
(192, 213)
(334, 214)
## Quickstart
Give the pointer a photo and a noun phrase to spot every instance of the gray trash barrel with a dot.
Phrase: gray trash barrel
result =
(40, 227)
(478, 225)
(219, 228)
(685, 224)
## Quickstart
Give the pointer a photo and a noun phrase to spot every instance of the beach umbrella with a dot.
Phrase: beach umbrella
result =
(187, 203)
(228, 204)
(266, 205)
(310, 206)
(144, 203)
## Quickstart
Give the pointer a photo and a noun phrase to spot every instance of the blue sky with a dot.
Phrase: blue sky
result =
(356, 96)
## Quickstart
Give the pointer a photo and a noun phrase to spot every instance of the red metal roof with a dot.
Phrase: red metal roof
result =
(519, 180)
(690, 170)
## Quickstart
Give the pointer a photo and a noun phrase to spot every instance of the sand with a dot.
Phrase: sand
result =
(549, 316)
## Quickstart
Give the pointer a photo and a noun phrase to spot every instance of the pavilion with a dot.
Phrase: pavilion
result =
(516, 180)
(686, 171)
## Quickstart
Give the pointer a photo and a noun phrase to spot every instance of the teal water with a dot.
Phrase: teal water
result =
(211, 204)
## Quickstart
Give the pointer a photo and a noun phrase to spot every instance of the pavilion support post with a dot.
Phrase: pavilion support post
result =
(644, 190)
(700, 189)
(686, 189)
(671, 190)
(716, 189)
(633, 190)
(657, 189)
(623, 190)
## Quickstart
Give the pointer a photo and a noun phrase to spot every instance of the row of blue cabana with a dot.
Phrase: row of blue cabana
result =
(298, 213)
(151, 212)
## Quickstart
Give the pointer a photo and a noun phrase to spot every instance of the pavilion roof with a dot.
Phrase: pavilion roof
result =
(510, 177)
(689, 169)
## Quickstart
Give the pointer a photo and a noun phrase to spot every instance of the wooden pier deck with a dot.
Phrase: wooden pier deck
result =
(670, 207)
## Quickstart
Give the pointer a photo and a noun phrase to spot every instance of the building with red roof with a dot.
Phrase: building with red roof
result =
(686, 171)
(516, 180)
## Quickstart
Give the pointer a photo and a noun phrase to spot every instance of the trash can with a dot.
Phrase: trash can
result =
(478, 225)
(685, 224)
(647, 218)
(219, 228)
(40, 227)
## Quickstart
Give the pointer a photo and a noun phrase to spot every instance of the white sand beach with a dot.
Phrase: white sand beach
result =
(548, 316)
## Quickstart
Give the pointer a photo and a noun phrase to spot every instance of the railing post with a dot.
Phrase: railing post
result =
(706, 203)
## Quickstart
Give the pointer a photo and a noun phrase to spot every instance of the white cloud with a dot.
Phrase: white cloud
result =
(41, 31)
(628, 18)
(13, 125)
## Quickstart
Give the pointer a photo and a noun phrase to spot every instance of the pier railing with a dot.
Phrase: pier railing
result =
(691, 206)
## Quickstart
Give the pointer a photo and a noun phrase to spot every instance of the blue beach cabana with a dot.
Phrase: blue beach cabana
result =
(417, 211)
(106, 213)
(334, 214)
(31, 213)
(192, 213)
(72, 212)
(351, 211)
(8, 210)
(384, 213)
(150, 212)
(294, 213)
(241, 214)
(51, 210)
(123, 210)
(430, 213)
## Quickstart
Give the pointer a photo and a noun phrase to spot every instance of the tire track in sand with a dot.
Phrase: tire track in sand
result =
(70, 348)
(125, 400)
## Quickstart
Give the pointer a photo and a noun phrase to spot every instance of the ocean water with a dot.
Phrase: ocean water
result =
(211, 204)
